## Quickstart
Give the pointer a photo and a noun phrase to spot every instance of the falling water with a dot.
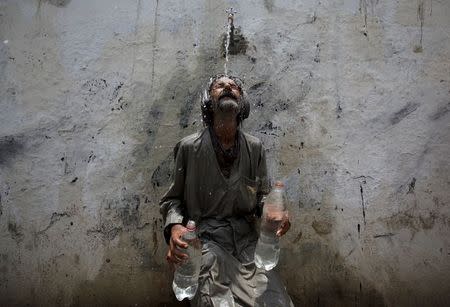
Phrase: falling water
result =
(230, 26)
(227, 44)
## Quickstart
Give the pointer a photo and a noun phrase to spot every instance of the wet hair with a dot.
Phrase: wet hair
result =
(206, 103)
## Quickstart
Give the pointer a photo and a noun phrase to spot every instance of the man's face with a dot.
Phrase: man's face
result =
(224, 87)
(225, 95)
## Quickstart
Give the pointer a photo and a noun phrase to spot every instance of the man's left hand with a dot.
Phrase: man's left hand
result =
(284, 226)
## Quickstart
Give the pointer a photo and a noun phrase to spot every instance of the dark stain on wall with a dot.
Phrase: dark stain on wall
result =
(317, 55)
(15, 231)
(119, 215)
(269, 128)
(163, 173)
(92, 87)
(363, 204)
(107, 229)
(441, 111)
(9, 148)
(384, 235)
(305, 88)
(129, 212)
(268, 4)
(116, 91)
(421, 18)
(155, 236)
(412, 185)
(56, 216)
(142, 246)
(322, 227)
(403, 112)
(281, 105)
(413, 221)
(339, 286)
(238, 43)
(58, 3)
(252, 89)
(189, 100)
(297, 238)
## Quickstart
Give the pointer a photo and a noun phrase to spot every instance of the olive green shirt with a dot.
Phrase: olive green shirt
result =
(199, 189)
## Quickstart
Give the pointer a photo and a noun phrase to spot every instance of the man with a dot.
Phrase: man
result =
(219, 180)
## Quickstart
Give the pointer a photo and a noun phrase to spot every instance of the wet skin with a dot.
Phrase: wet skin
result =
(224, 87)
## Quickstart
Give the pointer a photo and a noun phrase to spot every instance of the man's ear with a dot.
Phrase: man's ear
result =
(245, 108)
(206, 107)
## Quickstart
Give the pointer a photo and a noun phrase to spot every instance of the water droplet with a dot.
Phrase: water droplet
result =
(5, 41)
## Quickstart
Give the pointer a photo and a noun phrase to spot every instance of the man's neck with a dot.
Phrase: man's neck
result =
(225, 128)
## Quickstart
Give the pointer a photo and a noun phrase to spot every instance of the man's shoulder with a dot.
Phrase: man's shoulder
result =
(191, 140)
(187, 142)
(250, 139)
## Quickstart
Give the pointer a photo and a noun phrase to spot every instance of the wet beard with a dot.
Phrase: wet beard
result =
(227, 105)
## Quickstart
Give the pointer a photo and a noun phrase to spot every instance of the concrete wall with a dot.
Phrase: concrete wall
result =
(350, 97)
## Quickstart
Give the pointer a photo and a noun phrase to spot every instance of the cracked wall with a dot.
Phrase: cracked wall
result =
(351, 100)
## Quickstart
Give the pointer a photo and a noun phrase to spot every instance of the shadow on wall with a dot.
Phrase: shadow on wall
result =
(321, 278)
(314, 270)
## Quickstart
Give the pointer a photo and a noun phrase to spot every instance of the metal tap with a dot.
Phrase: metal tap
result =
(231, 13)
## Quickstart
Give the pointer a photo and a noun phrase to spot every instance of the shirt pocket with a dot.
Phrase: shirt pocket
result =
(248, 191)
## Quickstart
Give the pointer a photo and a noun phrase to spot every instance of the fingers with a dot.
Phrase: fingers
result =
(178, 242)
(172, 259)
(176, 233)
(284, 227)
(179, 255)
(175, 255)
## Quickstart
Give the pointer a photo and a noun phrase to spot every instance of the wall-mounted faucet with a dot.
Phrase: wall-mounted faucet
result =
(231, 13)
(231, 16)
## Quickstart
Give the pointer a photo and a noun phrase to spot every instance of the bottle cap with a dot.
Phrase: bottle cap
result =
(190, 225)
(279, 184)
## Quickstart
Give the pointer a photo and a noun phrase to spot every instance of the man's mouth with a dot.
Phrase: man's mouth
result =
(227, 95)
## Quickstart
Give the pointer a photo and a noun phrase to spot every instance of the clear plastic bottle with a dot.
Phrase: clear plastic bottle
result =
(185, 279)
(267, 250)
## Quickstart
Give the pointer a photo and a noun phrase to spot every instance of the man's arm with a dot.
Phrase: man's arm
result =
(172, 209)
(264, 182)
(171, 205)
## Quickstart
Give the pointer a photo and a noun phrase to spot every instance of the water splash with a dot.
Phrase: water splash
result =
(230, 29)
(421, 18)
(227, 45)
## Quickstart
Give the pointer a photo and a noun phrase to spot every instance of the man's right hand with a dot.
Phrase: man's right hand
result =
(176, 244)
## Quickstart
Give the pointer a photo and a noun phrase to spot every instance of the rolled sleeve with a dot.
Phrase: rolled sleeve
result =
(264, 182)
(172, 205)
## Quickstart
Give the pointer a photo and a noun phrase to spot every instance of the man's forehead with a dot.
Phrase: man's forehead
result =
(224, 79)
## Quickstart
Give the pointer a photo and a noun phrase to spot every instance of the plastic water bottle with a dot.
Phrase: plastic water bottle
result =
(185, 280)
(267, 250)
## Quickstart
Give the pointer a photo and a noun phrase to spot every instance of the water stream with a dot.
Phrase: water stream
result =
(230, 27)
(227, 45)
